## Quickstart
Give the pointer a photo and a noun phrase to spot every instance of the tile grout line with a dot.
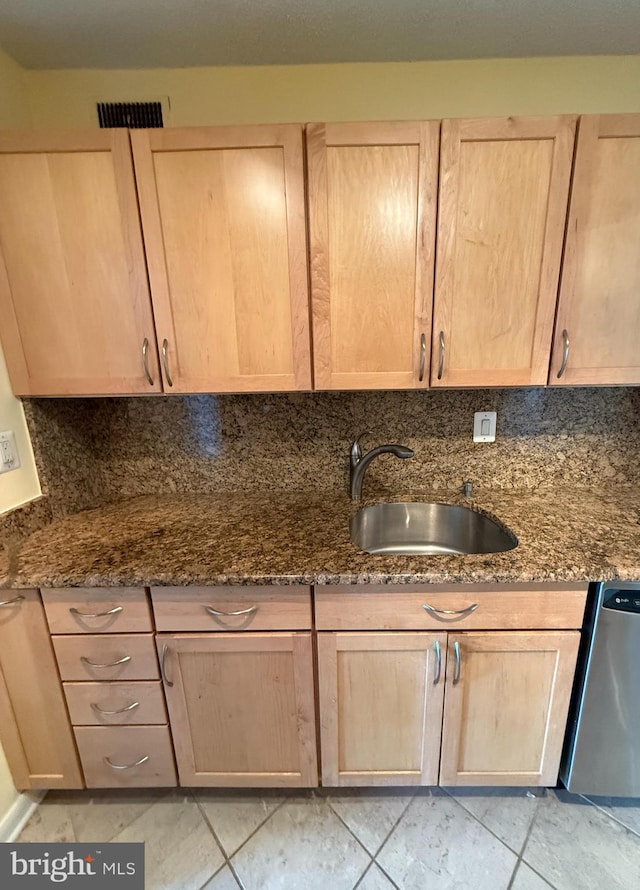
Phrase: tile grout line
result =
(228, 859)
(486, 827)
(392, 829)
(363, 875)
(216, 839)
(521, 858)
(610, 816)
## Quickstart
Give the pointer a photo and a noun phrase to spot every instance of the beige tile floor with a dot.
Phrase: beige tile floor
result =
(433, 839)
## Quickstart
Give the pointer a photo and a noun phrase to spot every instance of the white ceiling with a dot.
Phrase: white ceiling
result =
(178, 33)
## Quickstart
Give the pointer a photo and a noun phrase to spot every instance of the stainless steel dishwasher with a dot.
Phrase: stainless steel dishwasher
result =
(602, 752)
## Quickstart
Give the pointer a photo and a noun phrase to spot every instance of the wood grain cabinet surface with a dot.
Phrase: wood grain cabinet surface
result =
(599, 306)
(74, 295)
(372, 212)
(503, 194)
(383, 694)
(241, 708)
(34, 725)
(381, 697)
(506, 704)
(223, 214)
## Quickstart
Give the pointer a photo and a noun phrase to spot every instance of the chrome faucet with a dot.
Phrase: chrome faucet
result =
(359, 463)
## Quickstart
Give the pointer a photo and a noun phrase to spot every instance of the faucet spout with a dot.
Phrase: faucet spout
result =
(360, 462)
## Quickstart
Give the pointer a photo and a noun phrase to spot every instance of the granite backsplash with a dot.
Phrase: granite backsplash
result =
(93, 451)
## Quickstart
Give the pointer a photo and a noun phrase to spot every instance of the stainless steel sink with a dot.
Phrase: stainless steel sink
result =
(421, 528)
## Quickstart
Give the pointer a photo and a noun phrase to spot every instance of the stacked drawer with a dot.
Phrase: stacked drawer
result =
(104, 645)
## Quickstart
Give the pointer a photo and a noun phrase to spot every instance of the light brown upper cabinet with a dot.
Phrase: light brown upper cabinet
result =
(372, 207)
(598, 323)
(504, 187)
(74, 298)
(223, 216)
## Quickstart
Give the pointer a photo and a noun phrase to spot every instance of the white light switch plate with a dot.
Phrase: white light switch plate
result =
(9, 457)
(484, 426)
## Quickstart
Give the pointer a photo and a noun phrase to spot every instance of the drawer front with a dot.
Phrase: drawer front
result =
(107, 657)
(86, 610)
(103, 749)
(474, 607)
(115, 704)
(260, 608)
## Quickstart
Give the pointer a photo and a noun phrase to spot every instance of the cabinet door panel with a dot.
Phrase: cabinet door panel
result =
(242, 708)
(372, 203)
(224, 225)
(503, 199)
(73, 283)
(34, 724)
(600, 291)
(504, 720)
(380, 707)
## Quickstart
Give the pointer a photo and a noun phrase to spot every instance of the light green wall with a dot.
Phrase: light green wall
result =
(380, 91)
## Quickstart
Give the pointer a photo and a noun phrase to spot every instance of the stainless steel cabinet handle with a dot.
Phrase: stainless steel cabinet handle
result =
(565, 353)
(457, 612)
(438, 670)
(12, 601)
(220, 614)
(145, 361)
(163, 665)
(99, 710)
(80, 614)
(441, 359)
(110, 664)
(126, 765)
(458, 671)
(165, 361)
(423, 357)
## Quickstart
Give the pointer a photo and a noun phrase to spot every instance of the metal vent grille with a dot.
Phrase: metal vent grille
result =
(130, 114)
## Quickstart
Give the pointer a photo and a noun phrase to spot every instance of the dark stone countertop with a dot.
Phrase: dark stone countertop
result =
(303, 538)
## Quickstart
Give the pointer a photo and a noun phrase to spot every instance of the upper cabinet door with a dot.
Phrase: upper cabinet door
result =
(504, 187)
(599, 306)
(372, 206)
(74, 298)
(224, 226)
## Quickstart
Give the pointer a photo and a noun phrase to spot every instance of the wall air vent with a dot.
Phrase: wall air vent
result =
(132, 115)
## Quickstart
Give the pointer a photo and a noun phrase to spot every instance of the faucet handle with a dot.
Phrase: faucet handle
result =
(467, 489)
(356, 450)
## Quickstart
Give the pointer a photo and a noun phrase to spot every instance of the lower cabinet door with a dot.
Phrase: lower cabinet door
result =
(241, 708)
(381, 700)
(506, 705)
(34, 725)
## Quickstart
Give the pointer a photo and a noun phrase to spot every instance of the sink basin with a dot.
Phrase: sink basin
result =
(421, 528)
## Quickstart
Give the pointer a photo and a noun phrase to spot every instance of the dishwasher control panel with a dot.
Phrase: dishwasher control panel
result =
(623, 600)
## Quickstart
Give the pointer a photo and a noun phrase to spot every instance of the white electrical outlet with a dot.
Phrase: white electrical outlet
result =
(9, 457)
(484, 426)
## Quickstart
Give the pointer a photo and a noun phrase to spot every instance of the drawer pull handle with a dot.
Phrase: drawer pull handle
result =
(110, 664)
(458, 670)
(218, 614)
(163, 665)
(438, 670)
(99, 710)
(80, 614)
(459, 612)
(126, 765)
(13, 601)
